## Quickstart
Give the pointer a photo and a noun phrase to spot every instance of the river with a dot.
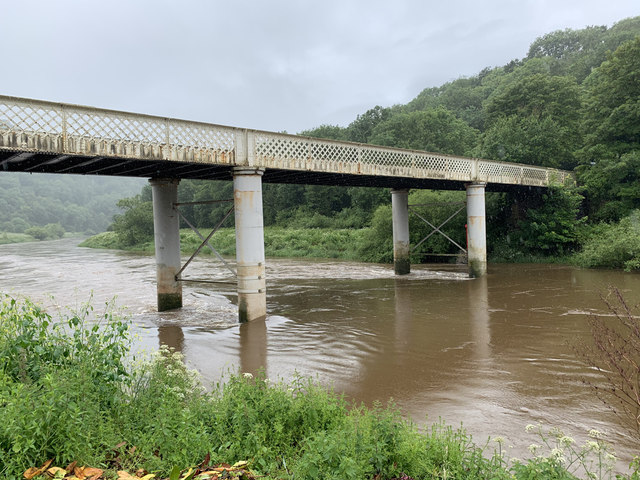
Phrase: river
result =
(494, 354)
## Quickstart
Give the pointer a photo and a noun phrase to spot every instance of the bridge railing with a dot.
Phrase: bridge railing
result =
(40, 126)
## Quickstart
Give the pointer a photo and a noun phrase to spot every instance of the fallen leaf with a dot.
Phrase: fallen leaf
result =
(53, 471)
(33, 472)
(122, 475)
(188, 474)
(92, 472)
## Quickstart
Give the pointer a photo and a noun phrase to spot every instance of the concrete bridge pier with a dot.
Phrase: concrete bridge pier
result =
(247, 194)
(476, 230)
(400, 215)
(166, 229)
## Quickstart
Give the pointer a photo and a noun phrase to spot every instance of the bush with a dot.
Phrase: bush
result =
(39, 233)
(614, 245)
(135, 225)
(57, 378)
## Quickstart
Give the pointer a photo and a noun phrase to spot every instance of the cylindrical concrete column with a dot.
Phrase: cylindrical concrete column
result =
(476, 230)
(400, 214)
(166, 229)
(247, 194)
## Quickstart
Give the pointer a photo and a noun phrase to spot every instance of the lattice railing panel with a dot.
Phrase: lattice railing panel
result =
(33, 125)
(186, 134)
(30, 118)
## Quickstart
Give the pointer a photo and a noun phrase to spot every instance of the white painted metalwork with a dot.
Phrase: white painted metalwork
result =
(46, 127)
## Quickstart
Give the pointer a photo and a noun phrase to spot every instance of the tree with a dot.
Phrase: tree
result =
(612, 113)
(530, 140)
(361, 129)
(611, 158)
(435, 130)
(534, 119)
(552, 227)
(135, 225)
(612, 185)
(332, 132)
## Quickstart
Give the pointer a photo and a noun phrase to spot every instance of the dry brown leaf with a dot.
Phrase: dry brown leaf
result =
(34, 472)
(51, 472)
(122, 475)
(31, 472)
(92, 472)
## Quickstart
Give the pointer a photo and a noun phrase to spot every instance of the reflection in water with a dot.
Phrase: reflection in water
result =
(493, 353)
(253, 346)
(479, 318)
(403, 310)
(171, 336)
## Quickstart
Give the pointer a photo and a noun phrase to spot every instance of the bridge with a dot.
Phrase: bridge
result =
(42, 136)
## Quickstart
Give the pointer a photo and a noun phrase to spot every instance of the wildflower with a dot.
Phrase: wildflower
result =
(593, 433)
(530, 428)
(499, 440)
(558, 455)
(247, 375)
(533, 448)
(566, 441)
(591, 445)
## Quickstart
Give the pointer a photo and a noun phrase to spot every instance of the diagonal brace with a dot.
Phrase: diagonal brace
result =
(437, 229)
(205, 241)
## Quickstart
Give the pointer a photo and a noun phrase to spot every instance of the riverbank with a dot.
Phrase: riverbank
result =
(152, 414)
(7, 238)
(344, 244)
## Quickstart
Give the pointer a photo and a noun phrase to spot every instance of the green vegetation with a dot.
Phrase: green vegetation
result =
(70, 391)
(14, 238)
(615, 245)
(279, 242)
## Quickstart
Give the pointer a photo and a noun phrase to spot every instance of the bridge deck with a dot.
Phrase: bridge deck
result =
(40, 136)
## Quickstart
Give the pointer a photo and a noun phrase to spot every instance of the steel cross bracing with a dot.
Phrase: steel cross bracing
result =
(412, 209)
(205, 241)
(40, 136)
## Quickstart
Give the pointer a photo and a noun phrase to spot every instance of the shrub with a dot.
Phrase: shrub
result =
(613, 245)
(39, 233)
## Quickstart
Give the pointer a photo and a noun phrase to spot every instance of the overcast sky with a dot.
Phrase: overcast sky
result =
(271, 65)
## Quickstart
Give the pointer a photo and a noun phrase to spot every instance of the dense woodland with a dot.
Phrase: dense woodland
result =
(573, 102)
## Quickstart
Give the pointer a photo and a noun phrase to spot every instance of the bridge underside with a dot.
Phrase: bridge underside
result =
(126, 167)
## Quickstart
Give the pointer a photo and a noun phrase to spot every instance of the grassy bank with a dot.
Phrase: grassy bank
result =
(70, 392)
(279, 242)
(7, 237)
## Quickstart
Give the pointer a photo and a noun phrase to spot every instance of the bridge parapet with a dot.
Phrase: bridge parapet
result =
(46, 127)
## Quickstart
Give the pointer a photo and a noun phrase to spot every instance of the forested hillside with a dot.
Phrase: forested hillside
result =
(573, 102)
(79, 204)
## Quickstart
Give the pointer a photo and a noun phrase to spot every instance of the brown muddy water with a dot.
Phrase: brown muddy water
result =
(494, 354)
